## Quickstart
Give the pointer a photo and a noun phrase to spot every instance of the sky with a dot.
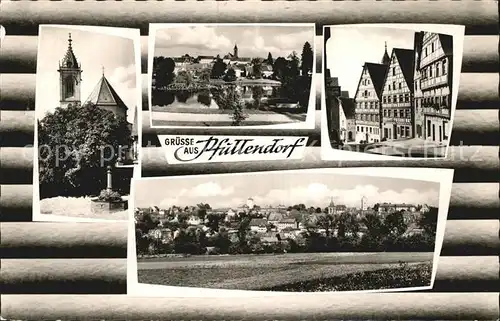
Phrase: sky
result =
(311, 189)
(350, 47)
(252, 41)
(93, 50)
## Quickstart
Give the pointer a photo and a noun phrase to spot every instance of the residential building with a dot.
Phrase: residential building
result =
(397, 98)
(258, 225)
(275, 217)
(286, 222)
(368, 100)
(434, 64)
(347, 119)
(390, 207)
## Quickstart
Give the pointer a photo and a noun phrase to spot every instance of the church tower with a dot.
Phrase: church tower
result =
(70, 78)
(386, 60)
(331, 207)
(235, 51)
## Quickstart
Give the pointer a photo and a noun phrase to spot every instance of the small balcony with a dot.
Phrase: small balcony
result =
(436, 110)
(433, 82)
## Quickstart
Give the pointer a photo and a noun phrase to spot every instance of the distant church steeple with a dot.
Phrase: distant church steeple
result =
(70, 77)
(331, 207)
(386, 60)
(235, 51)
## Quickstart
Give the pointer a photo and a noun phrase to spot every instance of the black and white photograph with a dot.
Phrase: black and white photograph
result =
(223, 75)
(394, 92)
(87, 98)
(288, 231)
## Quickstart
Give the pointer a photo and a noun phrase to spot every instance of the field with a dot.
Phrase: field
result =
(291, 272)
(78, 207)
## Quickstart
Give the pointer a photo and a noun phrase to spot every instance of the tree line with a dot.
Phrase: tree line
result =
(339, 233)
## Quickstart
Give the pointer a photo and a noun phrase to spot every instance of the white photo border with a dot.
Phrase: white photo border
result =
(442, 176)
(129, 33)
(458, 34)
(307, 124)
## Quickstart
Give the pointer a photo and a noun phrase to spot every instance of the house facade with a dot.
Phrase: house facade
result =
(435, 83)
(367, 100)
(407, 95)
(286, 223)
(347, 119)
(390, 207)
(397, 97)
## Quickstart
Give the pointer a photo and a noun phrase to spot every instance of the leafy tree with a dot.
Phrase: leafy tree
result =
(257, 68)
(374, 237)
(307, 59)
(213, 221)
(297, 216)
(145, 223)
(293, 64)
(205, 75)
(326, 222)
(184, 77)
(300, 207)
(227, 97)
(182, 217)
(76, 144)
(163, 71)
(218, 69)
(201, 211)
(279, 68)
(395, 225)
(230, 75)
(243, 229)
(222, 241)
(428, 221)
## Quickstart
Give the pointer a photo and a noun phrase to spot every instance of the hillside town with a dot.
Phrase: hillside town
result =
(406, 97)
(273, 228)
(242, 66)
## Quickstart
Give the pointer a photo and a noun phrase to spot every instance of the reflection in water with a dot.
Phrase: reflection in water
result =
(204, 98)
(184, 98)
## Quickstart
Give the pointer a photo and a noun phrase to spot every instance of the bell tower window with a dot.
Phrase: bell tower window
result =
(69, 86)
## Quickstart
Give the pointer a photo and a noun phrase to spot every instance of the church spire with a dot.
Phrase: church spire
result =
(69, 60)
(235, 51)
(386, 60)
(70, 76)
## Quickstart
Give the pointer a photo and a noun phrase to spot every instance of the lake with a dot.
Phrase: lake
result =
(204, 98)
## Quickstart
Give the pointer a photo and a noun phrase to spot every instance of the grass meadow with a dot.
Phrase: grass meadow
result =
(311, 272)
